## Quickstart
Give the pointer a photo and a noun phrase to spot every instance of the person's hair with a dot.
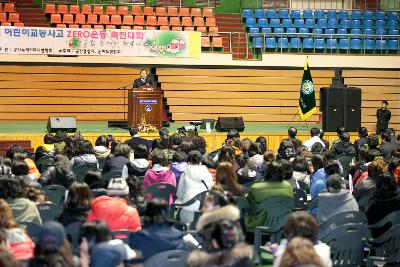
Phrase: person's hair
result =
(398, 138)
(94, 179)
(386, 135)
(340, 130)
(60, 136)
(385, 102)
(376, 167)
(232, 133)
(226, 153)
(286, 149)
(334, 184)
(20, 168)
(48, 138)
(385, 185)
(114, 145)
(345, 137)
(33, 194)
(163, 132)
(246, 144)
(79, 196)
(372, 154)
(372, 141)
(194, 157)
(159, 157)
(156, 212)
(62, 256)
(363, 132)
(300, 252)
(314, 132)
(208, 162)
(133, 131)
(236, 142)
(186, 146)
(331, 167)
(135, 189)
(122, 150)
(5, 166)
(301, 224)
(11, 188)
(316, 148)
(175, 140)
(162, 142)
(254, 149)
(242, 159)
(179, 156)
(321, 133)
(218, 198)
(362, 155)
(274, 171)
(200, 144)
(110, 139)
(7, 258)
(85, 147)
(7, 220)
(95, 232)
(101, 141)
(227, 179)
(141, 152)
(62, 164)
(287, 169)
(300, 164)
(16, 152)
(292, 132)
(263, 143)
(317, 162)
(269, 156)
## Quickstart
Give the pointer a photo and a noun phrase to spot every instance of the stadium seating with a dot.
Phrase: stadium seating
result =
(9, 16)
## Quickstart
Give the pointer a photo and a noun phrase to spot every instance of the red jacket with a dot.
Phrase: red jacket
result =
(116, 213)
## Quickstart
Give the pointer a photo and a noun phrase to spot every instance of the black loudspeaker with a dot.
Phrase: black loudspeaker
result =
(63, 124)
(340, 107)
(224, 124)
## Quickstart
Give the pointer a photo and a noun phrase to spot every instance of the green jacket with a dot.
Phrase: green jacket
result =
(258, 193)
(24, 210)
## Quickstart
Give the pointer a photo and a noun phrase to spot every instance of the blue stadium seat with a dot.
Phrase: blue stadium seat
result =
(380, 32)
(287, 23)
(369, 44)
(304, 32)
(299, 23)
(283, 14)
(262, 23)
(307, 14)
(355, 24)
(271, 14)
(295, 43)
(369, 33)
(342, 31)
(380, 15)
(310, 23)
(254, 30)
(344, 23)
(317, 32)
(343, 14)
(331, 14)
(343, 44)
(393, 25)
(295, 14)
(331, 44)
(380, 24)
(275, 23)
(283, 43)
(329, 31)
(270, 43)
(368, 14)
(393, 45)
(319, 14)
(308, 43)
(332, 23)
(394, 33)
(368, 24)
(322, 23)
(319, 44)
(251, 23)
(356, 32)
(259, 14)
(266, 30)
(392, 16)
(355, 14)
(291, 32)
(247, 13)
(279, 31)
(381, 45)
(355, 44)
(257, 42)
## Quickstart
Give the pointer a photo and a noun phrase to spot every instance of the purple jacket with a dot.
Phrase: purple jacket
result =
(157, 175)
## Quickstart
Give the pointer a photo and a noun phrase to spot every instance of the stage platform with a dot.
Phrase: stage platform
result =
(35, 130)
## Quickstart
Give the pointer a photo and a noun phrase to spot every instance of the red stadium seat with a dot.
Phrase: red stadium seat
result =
(111, 27)
(187, 21)
(151, 21)
(55, 18)
(13, 17)
(136, 10)
(111, 10)
(80, 19)
(123, 10)
(61, 26)
(175, 21)
(196, 12)
(184, 12)
(164, 28)
(86, 9)
(86, 26)
(116, 20)
(208, 12)
(139, 20)
(205, 41)
(127, 20)
(213, 29)
(177, 29)
(198, 21)
(98, 27)
(50, 9)
(138, 28)
(162, 21)
(188, 29)
(151, 28)
(201, 29)
(217, 41)
(9, 8)
(6, 23)
(74, 9)
(161, 12)
(104, 19)
(18, 24)
(92, 19)
(172, 12)
(68, 19)
(1, 8)
(62, 9)
(75, 26)
(98, 10)
(211, 22)
(148, 11)
(3, 17)
(125, 27)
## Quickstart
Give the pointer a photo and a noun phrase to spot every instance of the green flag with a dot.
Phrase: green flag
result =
(307, 105)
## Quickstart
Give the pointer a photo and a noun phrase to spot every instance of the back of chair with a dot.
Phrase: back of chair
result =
(110, 175)
(388, 245)
(345, 160)
(300, 198)
(347, 244)
(160, 190)
(356, 217)
(72, 231)
(363, 203)
(393, 218)
(32, 229)
(304, 186)
(56, 193)
(49, 211)
(122, 235)
(171, 258)
(80, 171)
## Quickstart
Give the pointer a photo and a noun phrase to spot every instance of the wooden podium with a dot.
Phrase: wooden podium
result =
(145, 102)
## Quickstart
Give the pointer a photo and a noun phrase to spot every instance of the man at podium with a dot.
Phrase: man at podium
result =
(143, 80)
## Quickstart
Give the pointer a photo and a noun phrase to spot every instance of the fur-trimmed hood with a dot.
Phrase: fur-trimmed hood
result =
(241, 255)
(229, 212)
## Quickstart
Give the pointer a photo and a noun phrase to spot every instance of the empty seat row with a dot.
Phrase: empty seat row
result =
(8, 8)
(214, 41)
(125, 10)
(319, 14)
(16, 24)
(12, 17)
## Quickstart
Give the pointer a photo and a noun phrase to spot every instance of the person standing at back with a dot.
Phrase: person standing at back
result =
(292, 132)
(383, 116)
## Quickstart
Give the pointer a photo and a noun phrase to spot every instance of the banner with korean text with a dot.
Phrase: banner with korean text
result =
(90, 42)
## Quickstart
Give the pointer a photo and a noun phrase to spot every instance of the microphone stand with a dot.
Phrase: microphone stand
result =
(124, 90)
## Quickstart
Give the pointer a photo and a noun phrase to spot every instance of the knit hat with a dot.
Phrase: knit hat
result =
(117, 187)
(107, 255)
(51, 236)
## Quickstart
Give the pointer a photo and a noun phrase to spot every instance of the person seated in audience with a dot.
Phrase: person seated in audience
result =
(273, 185)
(286, 150)
(77, 206)
(174, 141)
(101, 150)
(314, 133)
(210, 164)
(95, 181)
(216, 199)
(246, 142)
(394, 165)
(21, 172)
(300, 252)
(136, 197)
(339, 131)
(256, 157)
(114, 209)
(47, 149)
(317, 165)
(321, 136)
(288, 172)
(59, 174)
(16, 153)
(5, 166)
(200, 144)
(362, 138)
(6, 256)
(304, 225)
(360, 165)
(158, 234)
(301, 171)
(60, 139)
(247, 171)
(292, 132)
(343, 147)
(223, 240)
(121, 157)
(317, 148)
(159, 173)
(84, 155)
(335, 200)
(19, 242)
(139, 165)
(187, 145)
(53, 248)
(367, 186)
(194, 180)
(318, 180)
(387, 147)
(179, 164)
(36, 195)
(13, 191)
(263, 143)
(136, 139)
(373, 141)
(227, 181)
(228, 153)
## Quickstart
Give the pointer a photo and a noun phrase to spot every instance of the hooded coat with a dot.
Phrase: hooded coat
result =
(159, 174)
(178, 168)
(137, 167)
(24, 210)
(45, 150)
(331, 204)
(342, 147)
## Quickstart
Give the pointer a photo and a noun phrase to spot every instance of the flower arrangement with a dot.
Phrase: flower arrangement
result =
(144, 127)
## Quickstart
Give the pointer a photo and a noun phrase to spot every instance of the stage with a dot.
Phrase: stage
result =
(35, 130)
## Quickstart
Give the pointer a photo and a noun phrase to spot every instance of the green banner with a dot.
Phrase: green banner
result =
(307, 105)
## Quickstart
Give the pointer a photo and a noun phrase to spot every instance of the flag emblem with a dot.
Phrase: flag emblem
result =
(307, 87)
